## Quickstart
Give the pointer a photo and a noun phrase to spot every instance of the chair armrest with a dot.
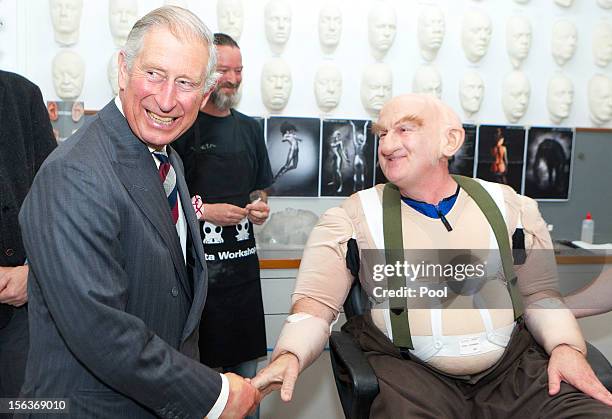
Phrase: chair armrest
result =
(601, 366)
(363, 386)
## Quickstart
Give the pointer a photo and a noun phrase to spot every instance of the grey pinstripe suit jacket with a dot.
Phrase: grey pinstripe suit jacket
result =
(113, 317)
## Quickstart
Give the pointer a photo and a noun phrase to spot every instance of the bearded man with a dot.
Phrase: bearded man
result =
(227, 168)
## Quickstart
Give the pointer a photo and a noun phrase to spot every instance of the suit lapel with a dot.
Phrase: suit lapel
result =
(193, 229)
(136, 169)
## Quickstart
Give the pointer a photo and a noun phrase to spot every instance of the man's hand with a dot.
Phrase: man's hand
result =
(281, 373)
(14, 285)
(258, 212)
(243, 398)
(569, 365)
(223, 214)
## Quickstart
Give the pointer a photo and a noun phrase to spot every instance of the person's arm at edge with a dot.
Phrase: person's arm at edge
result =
(552, 324)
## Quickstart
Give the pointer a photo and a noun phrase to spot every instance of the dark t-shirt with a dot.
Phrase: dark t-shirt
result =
(225, 159)
(234, 143)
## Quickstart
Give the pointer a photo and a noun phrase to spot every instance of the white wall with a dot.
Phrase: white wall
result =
(28, 47)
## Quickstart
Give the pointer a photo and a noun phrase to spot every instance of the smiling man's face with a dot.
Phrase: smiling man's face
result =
(162, 92)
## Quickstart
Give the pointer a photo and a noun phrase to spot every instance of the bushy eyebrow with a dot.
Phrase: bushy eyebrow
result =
(414, 119)
(377, 129)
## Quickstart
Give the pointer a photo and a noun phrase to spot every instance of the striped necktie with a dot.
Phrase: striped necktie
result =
(167, 175)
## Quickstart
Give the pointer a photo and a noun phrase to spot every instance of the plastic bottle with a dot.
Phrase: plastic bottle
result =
(588, 225)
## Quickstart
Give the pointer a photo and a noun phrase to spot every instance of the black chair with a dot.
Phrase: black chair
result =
(357, 394)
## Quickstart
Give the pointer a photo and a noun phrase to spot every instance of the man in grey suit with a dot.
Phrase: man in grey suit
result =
(117, 274)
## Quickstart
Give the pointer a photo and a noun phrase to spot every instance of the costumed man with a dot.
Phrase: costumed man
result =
(227, 169)
(440, 361)
(117, 279)
(26, 138)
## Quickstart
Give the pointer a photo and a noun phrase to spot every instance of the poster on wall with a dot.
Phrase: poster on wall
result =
(66, 118)
(501, 154)
(294, 149)
(462, 163)
(347, 157)
(549, 163)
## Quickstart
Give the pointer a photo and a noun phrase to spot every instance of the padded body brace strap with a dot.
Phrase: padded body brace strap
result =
(393, 239)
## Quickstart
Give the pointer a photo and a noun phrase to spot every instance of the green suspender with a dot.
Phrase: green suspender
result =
(394, 252)
(486, 204)
(392, 231)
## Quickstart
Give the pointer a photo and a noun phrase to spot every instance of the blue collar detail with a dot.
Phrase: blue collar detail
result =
(431, 210)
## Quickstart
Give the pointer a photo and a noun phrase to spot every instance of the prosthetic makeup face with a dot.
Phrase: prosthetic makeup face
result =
(230, 17)
(382, 26)
(278, 24)
(330, 27)
(564, 41)
(276, 84)
(475, 35)
(112, 71)
(68, 75)
(602, 44)
(564, 3)
(376, 87)
(515, 95)
(328, 87)
(471, 92)
(427, 80)
(559, 98)
(411, 129)
(600, 99)
(122, 14)
(430, 31)
(518, 39)
(66, 19)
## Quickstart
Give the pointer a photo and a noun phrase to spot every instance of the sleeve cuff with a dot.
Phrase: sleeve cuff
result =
(219, 405)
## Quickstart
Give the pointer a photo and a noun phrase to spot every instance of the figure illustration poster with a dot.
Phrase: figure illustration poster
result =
(347, 161)
(549, 163)
(501, 154)
(294, 149)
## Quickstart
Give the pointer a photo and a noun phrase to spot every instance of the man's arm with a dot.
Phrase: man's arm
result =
(223, 214)
(297, 349)
(71, 230)
(550, 322)
(258, 209)
(13, 285)
(322, 285)
(595, 298)
(39, 143)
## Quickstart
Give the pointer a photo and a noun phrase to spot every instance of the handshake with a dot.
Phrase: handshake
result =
(245, 394)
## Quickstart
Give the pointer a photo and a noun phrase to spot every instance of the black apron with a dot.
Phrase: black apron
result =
(232, 329)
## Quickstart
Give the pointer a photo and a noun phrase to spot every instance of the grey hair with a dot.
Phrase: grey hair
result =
(181, 23)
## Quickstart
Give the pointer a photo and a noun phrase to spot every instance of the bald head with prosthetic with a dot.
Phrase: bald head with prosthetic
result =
(418, 134)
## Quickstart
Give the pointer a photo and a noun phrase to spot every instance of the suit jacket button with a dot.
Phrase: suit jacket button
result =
(9, 252)
(174, 291)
